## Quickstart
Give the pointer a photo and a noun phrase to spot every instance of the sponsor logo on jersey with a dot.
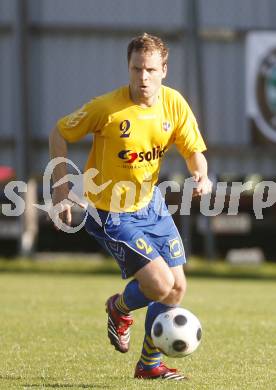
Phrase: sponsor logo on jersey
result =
(130, 156)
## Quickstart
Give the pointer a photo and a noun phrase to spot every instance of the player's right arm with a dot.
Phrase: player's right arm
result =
(58, 148)
(90, 118)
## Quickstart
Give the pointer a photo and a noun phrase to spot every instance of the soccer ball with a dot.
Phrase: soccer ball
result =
(176, 332)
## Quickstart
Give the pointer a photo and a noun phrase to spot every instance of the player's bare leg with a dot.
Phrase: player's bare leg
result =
(179, 288)
(161, 283)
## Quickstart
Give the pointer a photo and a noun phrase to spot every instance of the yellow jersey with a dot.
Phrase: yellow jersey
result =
(129, 143)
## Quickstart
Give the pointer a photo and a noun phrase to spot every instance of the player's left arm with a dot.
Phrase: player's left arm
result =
(198, 167)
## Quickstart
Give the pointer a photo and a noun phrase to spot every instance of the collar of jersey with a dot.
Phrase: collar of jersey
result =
(137, 105)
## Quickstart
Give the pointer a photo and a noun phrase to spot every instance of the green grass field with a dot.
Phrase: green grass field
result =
(53, 334)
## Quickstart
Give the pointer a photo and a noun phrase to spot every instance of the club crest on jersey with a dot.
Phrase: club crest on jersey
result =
(166, 126)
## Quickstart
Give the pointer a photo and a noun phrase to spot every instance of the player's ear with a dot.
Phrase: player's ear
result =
(165, 69)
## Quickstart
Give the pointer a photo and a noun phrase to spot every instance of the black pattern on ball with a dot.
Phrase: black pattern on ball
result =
(158, 329)
(179, 345)
(199, 334)
(180, 320)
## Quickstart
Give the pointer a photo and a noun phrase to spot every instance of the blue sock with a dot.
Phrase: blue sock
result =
(154, 309)
(132, 298)
(151, 356)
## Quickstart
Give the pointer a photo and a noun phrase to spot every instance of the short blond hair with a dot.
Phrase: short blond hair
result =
(148, 43)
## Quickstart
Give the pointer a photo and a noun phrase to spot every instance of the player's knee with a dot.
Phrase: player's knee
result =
(180, 289)
(163, 288)
(177, 292)
(159, 288)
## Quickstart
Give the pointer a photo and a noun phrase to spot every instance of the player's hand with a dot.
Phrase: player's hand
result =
(203, 184)
(62, 206)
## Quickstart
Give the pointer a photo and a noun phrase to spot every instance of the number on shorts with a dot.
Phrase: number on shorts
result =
(141, 244)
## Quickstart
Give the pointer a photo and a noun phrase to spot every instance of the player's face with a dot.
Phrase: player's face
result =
(146, 72)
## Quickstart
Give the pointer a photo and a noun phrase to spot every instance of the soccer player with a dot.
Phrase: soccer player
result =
(133, 127)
